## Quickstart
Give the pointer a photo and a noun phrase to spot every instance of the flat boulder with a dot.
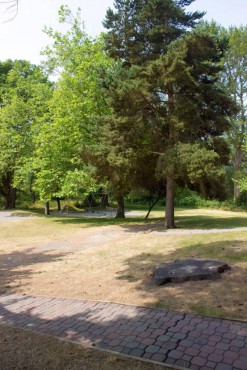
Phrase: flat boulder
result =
(190, 269)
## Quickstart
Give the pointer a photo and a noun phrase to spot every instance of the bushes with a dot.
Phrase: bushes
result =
(241, 201)
(185, 198)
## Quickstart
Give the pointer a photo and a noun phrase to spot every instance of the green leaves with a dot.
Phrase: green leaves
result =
(24, 94)
(76, 104)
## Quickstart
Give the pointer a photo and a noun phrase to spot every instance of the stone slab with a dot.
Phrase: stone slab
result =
(190, 269)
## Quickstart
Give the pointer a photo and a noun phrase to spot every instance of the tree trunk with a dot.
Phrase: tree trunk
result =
(47, 208)
(238, 161)
(58, 204)
(120, 207)
(10, 198)
(152, 203)
(203, 192)
(169, 217)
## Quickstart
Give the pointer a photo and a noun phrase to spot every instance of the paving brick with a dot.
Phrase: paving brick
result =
(169, 345)
(132, 344)
(179, 335)
(163, 351)
(137, 352)
(215, 358)
(147, 341)
(182, 363)
(223, 366)
(234, 349)
(192, 351)
(175, 354)
(200, 361)
(207, 349)
(126, 351)
(158, 357)
(152, 349)
(147, 355)
(237, 343)
(240, 365)
(170, 361)
(191, 341)
(243, 351)
(211, 364)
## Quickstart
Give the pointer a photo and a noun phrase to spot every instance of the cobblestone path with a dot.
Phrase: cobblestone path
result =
(172, 338)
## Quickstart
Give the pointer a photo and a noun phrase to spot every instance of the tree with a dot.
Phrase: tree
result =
(234, 78)
(73, 110)
(24, 92)
(141, 30)
(173, 93)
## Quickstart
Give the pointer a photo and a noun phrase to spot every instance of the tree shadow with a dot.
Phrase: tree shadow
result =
(16, 267)
(142, 225)
(223, 296)
(136, 331)
(210, 222)
(139, 223)
(141, 266)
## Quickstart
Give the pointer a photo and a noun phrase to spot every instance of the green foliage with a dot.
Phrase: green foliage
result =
(25, 91)
(77, 102)
(242, 199)
(235, 80)
(139, 31)
(167, 91)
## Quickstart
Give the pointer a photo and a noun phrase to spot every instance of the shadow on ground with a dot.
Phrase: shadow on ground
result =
(139, 224)
(155, 334)
(15, 267)
(222, 297)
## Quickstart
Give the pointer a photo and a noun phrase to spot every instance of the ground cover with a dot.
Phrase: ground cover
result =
(81, 258)
(73, 257)
(21, 349)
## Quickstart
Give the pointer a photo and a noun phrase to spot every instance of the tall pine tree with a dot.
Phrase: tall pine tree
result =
(170, 91)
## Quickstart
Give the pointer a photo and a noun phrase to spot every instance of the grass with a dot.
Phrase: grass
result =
(31, 351)
(82, 258)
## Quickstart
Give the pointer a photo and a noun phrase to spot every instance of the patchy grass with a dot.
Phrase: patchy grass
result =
(112, 260)
(24, 350)
(82, 258)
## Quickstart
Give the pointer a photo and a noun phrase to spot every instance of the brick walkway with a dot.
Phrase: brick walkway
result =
(172, 338)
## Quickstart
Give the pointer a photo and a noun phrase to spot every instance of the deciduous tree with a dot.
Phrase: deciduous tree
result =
(24, 93)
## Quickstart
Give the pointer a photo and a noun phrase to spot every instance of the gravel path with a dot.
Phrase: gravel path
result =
(9, 216)
(172, 338)
(198, 231)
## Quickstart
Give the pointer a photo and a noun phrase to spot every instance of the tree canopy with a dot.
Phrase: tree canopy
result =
(25, 91)
(172, 96)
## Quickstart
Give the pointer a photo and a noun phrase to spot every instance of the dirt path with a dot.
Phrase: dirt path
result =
(9, 216)
(198, 231)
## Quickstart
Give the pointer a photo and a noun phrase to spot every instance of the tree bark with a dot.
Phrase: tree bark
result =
(169, 217)
(58, 204)
(10, 198)
(120, 207)
(203, 192)
(47, 208)
(238, 161)
(152, 203)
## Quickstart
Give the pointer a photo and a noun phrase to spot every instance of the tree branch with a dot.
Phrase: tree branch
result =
(13, 6)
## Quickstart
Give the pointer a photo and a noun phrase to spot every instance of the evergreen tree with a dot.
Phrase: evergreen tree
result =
(170, 96)
(140, 30)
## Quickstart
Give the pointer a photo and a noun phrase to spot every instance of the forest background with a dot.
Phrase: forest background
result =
(148, 111)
